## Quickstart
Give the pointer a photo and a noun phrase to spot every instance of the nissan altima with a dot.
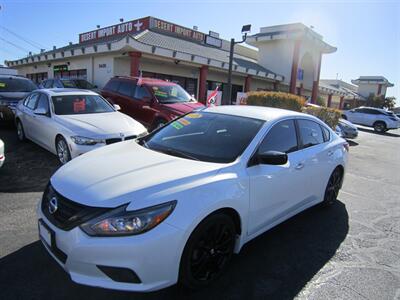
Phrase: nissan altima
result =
(70, 122)
(175, 205)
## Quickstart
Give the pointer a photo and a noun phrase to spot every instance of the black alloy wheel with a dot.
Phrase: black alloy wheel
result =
(208, 251)
(333, 187)
(20, 131)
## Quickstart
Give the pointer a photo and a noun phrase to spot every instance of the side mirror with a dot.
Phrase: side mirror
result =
(41, 111)
(272, 158)
(117, 107)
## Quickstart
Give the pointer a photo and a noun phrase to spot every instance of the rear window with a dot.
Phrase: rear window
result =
(13, 84)
(112, 86)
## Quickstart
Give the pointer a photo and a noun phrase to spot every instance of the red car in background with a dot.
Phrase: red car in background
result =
(153, 102)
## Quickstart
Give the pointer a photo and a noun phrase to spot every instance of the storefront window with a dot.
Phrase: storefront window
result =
(73, 74)
(37, 77)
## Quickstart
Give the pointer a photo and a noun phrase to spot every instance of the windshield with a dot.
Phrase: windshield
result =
(171, 93)
(205, 136)
(80, 104)
(16, 85)
(77, 83)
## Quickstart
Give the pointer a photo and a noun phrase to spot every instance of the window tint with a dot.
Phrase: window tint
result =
(43, 102)
(282, 137)
(15, 84)
(32, 101)
(80, 104)
(58, 84)
(310, 133)
(112, 86)
(327, 134)
(48, 84)
(127, 88)
(141, 92)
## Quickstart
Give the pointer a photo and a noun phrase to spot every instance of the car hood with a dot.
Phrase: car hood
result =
(182, 108)
(100, 124)
(117, 174)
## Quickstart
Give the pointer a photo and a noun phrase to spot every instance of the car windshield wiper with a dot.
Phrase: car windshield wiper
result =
(176, 153)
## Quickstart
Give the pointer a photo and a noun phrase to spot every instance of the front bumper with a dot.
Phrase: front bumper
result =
(153, 256)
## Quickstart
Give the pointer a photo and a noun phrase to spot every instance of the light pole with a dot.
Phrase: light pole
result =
(228, 93)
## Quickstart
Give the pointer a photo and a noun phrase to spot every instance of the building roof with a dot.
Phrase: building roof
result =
(339, 87)
(372, 80)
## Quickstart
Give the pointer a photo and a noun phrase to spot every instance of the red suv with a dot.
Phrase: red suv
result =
(153, 102)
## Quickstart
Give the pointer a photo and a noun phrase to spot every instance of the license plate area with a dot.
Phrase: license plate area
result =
(46, 234)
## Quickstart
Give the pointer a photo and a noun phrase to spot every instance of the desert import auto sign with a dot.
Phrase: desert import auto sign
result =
(114, 30)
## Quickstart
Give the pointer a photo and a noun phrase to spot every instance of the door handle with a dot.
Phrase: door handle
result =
(299, 166)
(146, 107)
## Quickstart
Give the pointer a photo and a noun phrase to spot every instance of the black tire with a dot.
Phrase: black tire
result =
(62, 150)
(207, 252)
(380, 127)
(20, 131)
(333, 187)
(158, 123)
(344, 117)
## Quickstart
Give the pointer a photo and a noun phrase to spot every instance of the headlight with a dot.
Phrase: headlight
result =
(120, 222)
(81, 140)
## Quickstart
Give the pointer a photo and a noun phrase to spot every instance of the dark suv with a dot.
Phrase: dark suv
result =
(153, 102)
(13, 88)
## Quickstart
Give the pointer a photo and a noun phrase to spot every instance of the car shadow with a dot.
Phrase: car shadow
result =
(275, 265)
(27, 167)
(352, 143)
(387, 133)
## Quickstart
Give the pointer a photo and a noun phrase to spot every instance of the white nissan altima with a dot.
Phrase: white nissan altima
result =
(176, 204)
(70, 122)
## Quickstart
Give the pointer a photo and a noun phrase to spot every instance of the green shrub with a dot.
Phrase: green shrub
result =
(328, 115)
(276, 99)
(321, 101)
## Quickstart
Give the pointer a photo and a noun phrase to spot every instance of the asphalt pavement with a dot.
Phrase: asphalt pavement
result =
(349, 251)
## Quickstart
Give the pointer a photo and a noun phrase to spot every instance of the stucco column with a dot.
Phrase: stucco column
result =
(295, 65)
(203, 84)
(314, 93)
(379, 89)
(329, 100)
(247, 84)
(341, 102)
(135, 62)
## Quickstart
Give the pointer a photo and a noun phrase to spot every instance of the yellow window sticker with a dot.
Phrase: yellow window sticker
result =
(2, 85)
(194, 115)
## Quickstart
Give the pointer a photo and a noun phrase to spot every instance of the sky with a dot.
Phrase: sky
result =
(366, 33)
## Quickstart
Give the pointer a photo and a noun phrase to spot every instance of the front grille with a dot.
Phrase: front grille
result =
(68, 214)
(116, 140)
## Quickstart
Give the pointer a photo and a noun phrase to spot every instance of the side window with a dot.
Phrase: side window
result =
(310, 133)
(326, 133)
(31, 104)
(112, 86)
(48, 84)
(127, 88)
(141, 92)
(281, 137)
(43, 102)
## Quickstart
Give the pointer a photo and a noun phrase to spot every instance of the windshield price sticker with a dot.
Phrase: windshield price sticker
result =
(194, 116)
(184, 122)
(161, 94)
(2, 85)
(79, 105)
(177, 125)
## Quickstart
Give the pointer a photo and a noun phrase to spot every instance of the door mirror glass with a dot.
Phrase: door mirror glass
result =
(41, 111)
(272, 158)
(117, 107)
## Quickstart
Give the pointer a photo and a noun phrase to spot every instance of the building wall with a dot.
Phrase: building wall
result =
(365, 89)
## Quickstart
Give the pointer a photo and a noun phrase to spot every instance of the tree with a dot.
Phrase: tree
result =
(381, 102)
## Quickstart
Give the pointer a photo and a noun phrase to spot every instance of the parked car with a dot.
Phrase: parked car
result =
(68, 83)
(380, 119)
(177, 203)
(13, 88)
(153, 102)
(2, 157)
(347, 130)
(70, 122)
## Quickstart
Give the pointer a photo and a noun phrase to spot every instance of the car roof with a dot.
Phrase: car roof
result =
(66, 92)
(255, 112)
(14, 77)
(146, 80)
(375, 108)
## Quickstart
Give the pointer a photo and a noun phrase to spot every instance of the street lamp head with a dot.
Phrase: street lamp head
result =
(246, 28)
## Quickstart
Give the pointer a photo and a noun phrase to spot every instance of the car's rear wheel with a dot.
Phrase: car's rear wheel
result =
(63, 153)
(20, 131)
(380, 127)
(333, 187)
(208, 251)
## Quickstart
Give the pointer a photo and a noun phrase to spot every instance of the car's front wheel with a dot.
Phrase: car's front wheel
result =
(333, 187)
(208, 251)
(63, 153)
(20, 131)
(380, 127)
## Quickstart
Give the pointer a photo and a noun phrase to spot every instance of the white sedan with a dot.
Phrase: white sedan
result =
(176, 204)
(70, 122)
(2, 157)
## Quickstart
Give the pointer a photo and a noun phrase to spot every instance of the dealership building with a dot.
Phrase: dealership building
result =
(282, 58)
